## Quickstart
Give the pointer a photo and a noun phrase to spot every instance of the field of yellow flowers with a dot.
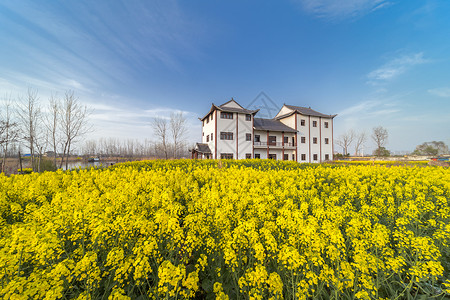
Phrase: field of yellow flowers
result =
(251, 229)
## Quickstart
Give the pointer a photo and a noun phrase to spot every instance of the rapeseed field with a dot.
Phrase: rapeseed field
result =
(251, 229)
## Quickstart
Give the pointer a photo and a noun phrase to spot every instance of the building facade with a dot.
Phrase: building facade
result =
(230, 131)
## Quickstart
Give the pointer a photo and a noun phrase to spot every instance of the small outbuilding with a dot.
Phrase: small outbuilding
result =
(201, 151)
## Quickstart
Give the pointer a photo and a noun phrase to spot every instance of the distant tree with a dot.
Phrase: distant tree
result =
(178, 130)
(40, 145)
(52, 124)
(360, 139)
(74, 123)
(380, 137)
(161, 129)
(431, 148)
(381, 152)
(29, 114)
(9, 129)
(345, 140)
(90, 148)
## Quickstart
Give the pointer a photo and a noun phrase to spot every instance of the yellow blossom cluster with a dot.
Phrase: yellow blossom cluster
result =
(250, 229)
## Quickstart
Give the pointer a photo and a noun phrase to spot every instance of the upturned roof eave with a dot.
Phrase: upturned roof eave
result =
(213, 106)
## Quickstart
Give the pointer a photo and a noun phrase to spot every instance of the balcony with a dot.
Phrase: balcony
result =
(273, 145)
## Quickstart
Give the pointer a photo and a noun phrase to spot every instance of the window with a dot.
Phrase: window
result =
(226, 115)
(207, 120)
(212, 116)
(211, 137)
(314, 156)
(226, 136)
(314, 123)
(272, 156)
(207, 138)
(257, 155)
(286, 157)
(302, 122)
(248, 117)
(314, 140)
(327, 156)
(226, 155)
(325, 124)
(293, 156)
(272, 140)
(286, 139)
(293, 141)
(257, 138)
(303, 139)
(248, 155)
(248, 136)
(326, 141)
(303, 156)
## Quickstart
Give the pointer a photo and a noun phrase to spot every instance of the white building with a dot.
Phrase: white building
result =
(296, 133)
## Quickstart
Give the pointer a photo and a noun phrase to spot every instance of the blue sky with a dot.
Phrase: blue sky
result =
(372, 62)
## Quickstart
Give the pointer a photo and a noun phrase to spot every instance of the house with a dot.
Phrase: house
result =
(296, 133)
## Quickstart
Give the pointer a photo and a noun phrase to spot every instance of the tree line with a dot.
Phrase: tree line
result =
(53, 130)
(131, 148)
(380, 137)
(24, 122)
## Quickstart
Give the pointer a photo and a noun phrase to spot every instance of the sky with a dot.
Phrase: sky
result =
(371, 62)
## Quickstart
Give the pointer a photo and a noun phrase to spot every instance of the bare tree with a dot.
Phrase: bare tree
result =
(29, 113)
(40, 145)
(160, 128)
(54, 108)
(90, 148)
(178, 130)
(360, 139)
(9, 130)
(74, 123)
(129, 147)
(380, 136)
(345, 140)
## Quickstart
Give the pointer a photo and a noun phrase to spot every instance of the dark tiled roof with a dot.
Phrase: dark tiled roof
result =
(229, 109)
(306, 111)
(226, 108)
(202, 148)
(271, 125)
(238, 110)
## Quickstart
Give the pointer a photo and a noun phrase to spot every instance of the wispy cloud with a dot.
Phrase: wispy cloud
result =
(396, 67)
(440, 92)
(90, 46)
(369, 108)
(338, 10)
(134, 122)
(369, 111)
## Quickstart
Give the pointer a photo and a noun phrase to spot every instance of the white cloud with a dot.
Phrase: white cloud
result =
(367, 112)
(136, 123)
(396, 67)
(74, 84)
(440, 92)
(101, 107)
(332, 9)
(359, 108)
